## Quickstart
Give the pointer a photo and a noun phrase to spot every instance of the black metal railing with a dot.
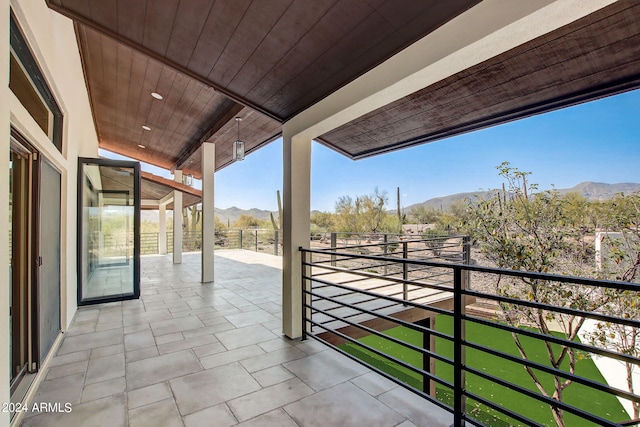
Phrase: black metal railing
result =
(149, 243)
(354, 310)
(259, 240)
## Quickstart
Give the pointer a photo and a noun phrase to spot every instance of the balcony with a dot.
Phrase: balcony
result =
(188, 354)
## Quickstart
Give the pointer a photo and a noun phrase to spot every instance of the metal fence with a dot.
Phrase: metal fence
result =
(267, 241)
(350, 305)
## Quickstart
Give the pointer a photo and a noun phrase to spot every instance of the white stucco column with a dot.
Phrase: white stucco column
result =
(177, 220)
(162, 231)
(208, 222)
(295, 227)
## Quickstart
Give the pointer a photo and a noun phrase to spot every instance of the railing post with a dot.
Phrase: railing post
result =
(305, 286)
(405, 270)
(466, 259)
(385, 240)
(275, 242)
(459, 359)
(334, 243)
(240, 238)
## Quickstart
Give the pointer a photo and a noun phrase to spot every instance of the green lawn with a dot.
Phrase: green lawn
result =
(577, 395)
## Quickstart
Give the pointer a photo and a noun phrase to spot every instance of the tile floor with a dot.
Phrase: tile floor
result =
(190, 355)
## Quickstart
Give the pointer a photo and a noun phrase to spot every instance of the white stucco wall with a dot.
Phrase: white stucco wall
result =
(52, 40)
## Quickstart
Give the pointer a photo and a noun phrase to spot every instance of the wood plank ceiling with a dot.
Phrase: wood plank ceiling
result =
(267, 61)
(212, 60)
(593, 57)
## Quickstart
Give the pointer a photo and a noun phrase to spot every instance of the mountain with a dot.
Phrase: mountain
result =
(233, 213)
(229, 215)
(590, 190)
(602, 191)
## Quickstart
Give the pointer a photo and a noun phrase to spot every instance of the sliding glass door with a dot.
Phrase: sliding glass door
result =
(108, 230)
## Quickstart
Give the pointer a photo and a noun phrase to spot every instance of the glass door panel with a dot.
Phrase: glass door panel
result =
(108, 230)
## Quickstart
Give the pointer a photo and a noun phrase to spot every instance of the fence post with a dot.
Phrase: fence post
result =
(459, 359)
(275, 242)
(240, 238)
(256, 240)
(334, 243)
(385, 240)
(405, 270)
(466, 253)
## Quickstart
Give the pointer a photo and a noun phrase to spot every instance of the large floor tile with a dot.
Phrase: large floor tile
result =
(241, 337)
(325, 369)
(97, 413)
(338, 406)
(268, 399)
(204, 389)
(89, 341)
(161, 368)
(163, 413)
(218, 415)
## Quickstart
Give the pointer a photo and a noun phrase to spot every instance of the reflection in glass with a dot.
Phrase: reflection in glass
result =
(108, 220)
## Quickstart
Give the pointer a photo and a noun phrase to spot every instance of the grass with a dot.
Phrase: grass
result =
(599, 403)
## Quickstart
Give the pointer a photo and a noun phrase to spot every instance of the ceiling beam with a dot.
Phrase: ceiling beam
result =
(154, 55)
(171, 183)
(166, 199)
(222, 120)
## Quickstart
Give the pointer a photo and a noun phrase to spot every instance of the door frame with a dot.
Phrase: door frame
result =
(135, 166)
(27, 327)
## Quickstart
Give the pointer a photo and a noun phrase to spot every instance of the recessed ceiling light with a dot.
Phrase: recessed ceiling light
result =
(145, 127)
(141, 146)
(156, 95)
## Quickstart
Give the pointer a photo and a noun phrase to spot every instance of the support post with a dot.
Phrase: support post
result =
(162, 232)
(208, 162)
(334, 243)
(177, 220)
(459, 359)
(386, 251)
(295, 226)
(405, 271)
(466, 253)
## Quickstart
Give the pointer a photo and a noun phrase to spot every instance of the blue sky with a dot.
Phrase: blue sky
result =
(597, 141)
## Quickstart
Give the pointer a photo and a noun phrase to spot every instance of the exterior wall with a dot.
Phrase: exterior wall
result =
(52, 41)
(4, 213)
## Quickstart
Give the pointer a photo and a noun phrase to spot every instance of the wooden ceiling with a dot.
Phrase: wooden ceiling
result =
(212, 60)
(153, 187)
(593, 57)
(267, 61)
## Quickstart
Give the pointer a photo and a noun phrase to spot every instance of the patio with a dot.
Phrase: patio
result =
(188, 354)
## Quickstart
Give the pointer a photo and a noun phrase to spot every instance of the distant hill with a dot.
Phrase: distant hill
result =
(233, 213)
(590, 190)
(230, 214)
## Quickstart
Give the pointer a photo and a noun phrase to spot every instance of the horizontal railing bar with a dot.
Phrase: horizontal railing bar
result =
(410, 346)
(503, 410)
(387, 376)
(557, 309)
(386, 356)
(554, 371)
(389, 318)
(549, 401)
(376, 276)
(395, 242)
(555, 340)
(421, 306)
(349, 316)
(515, 273)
